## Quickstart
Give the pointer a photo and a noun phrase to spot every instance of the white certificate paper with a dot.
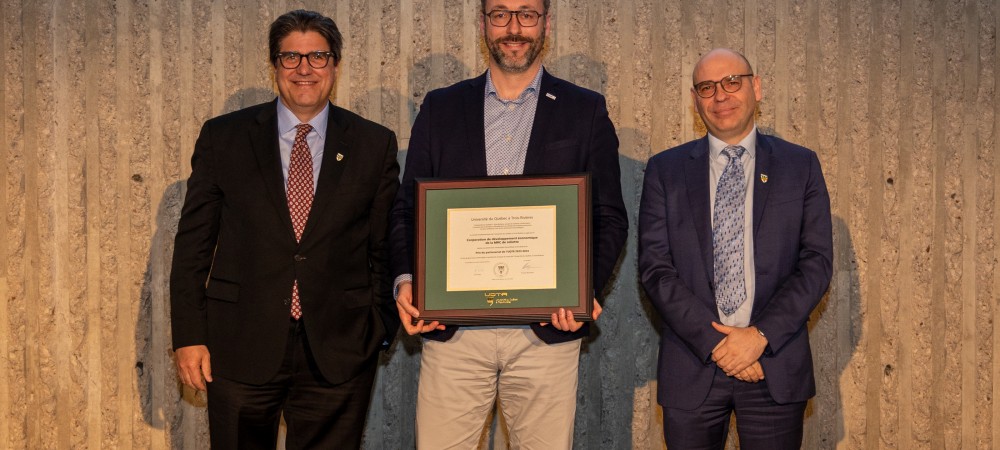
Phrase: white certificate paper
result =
(501, 248)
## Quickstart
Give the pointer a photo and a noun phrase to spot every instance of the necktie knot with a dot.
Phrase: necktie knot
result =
(302, 130)
(734, 151)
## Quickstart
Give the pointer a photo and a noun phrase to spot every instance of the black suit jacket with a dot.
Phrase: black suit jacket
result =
(571, 133)
(793, 259)
(235, 255)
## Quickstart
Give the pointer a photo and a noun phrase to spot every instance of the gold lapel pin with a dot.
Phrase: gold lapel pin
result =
(340, 157)
(763, 178)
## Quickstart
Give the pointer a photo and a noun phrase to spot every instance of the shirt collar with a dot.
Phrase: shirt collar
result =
(749, 142)
(532, 89)
(287, 120)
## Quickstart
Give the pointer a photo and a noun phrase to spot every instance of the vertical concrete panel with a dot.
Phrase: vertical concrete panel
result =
(969, 161)
(7, 23)
(30, 264)
(995, 207)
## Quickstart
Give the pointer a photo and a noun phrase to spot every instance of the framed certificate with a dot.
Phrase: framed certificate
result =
(502, 250)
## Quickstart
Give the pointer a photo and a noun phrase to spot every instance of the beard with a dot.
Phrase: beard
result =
(510, 64)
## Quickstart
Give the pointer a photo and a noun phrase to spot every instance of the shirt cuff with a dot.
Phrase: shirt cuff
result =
(404, 278)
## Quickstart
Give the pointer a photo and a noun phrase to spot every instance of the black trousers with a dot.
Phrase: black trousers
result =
(762, 424)
(317, 414)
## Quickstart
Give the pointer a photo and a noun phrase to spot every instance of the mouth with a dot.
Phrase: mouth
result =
(514, 42)
(724, 111)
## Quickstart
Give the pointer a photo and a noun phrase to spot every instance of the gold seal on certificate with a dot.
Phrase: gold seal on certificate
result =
(501, 250)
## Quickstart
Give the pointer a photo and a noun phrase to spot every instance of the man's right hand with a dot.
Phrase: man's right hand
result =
(404, 303)
(194, 366)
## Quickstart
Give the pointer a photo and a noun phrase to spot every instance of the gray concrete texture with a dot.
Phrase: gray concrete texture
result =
(101, 101)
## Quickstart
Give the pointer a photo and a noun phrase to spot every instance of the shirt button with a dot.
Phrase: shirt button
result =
(511, 107)
(508, 138)
(506, 171)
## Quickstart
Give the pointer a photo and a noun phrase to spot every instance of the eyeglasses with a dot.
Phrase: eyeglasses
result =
(292, 60)
(525, 17)
(730, 84)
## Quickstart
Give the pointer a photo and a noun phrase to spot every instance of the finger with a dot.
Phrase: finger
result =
(720, 344)
(413, 328)
(206, 367)
(722, 328)
(571, 321)
(405, 302)
(598, 309)
(193, 375)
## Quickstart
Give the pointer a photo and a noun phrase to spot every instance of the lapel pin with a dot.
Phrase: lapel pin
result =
(340, 157)
(763, 178)
(549, 95)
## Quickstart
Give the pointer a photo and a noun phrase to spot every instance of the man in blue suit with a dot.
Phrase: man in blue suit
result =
(735, 251)
(514, 119)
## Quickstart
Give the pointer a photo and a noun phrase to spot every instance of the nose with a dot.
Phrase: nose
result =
(720, 94)
(514, 27)
(304, 67)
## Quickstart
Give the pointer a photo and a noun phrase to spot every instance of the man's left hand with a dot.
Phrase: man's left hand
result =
(739, 349)
(563, 320)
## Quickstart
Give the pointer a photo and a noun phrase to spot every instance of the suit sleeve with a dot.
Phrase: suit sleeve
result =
(679, 307)
(610, 221)
(794, 300)
(418, 164)
(378, 248)
(194, 247)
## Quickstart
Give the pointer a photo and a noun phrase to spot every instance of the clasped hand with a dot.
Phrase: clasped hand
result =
(738, 354)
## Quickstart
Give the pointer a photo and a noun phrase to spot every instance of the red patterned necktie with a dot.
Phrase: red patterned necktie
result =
(300, 196)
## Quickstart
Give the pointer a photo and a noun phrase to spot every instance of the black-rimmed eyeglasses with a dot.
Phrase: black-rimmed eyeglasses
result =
(730, 84)
(292, 60)
(525, 17)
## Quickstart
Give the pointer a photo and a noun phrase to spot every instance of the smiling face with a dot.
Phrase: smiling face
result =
(305, 90)
(727, 115)
(514, 48)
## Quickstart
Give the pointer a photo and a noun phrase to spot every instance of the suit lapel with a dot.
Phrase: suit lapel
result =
(264, 141)
(760, 186)
(535, 156)
(697, 180)
(336, 151)
(473, 103)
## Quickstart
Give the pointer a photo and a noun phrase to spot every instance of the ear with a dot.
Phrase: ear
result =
(756, 88)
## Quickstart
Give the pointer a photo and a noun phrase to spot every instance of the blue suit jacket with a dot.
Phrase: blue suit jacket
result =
(793, 257)
(571, 133)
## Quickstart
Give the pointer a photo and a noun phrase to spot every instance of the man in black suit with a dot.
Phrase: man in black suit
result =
(280, 286)
(514, 119)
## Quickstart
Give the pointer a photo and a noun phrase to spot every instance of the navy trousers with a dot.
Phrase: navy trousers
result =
(761, 423)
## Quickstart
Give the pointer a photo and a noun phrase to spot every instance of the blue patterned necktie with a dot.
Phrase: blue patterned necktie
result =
(727, 233)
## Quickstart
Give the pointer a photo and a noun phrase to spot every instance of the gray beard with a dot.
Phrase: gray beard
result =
(534, 49)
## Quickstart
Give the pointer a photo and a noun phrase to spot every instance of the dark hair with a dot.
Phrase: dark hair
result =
(303, 21)
(545, 4)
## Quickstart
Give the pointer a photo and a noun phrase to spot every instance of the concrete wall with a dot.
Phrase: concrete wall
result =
(101, 101)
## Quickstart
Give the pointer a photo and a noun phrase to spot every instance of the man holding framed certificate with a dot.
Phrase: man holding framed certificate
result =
(515, 119)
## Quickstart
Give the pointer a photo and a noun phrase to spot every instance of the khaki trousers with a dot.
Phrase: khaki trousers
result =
(461, 378)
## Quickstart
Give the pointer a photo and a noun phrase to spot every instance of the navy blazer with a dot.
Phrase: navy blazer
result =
(571, 133)
(793, 258)
(235, 254)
